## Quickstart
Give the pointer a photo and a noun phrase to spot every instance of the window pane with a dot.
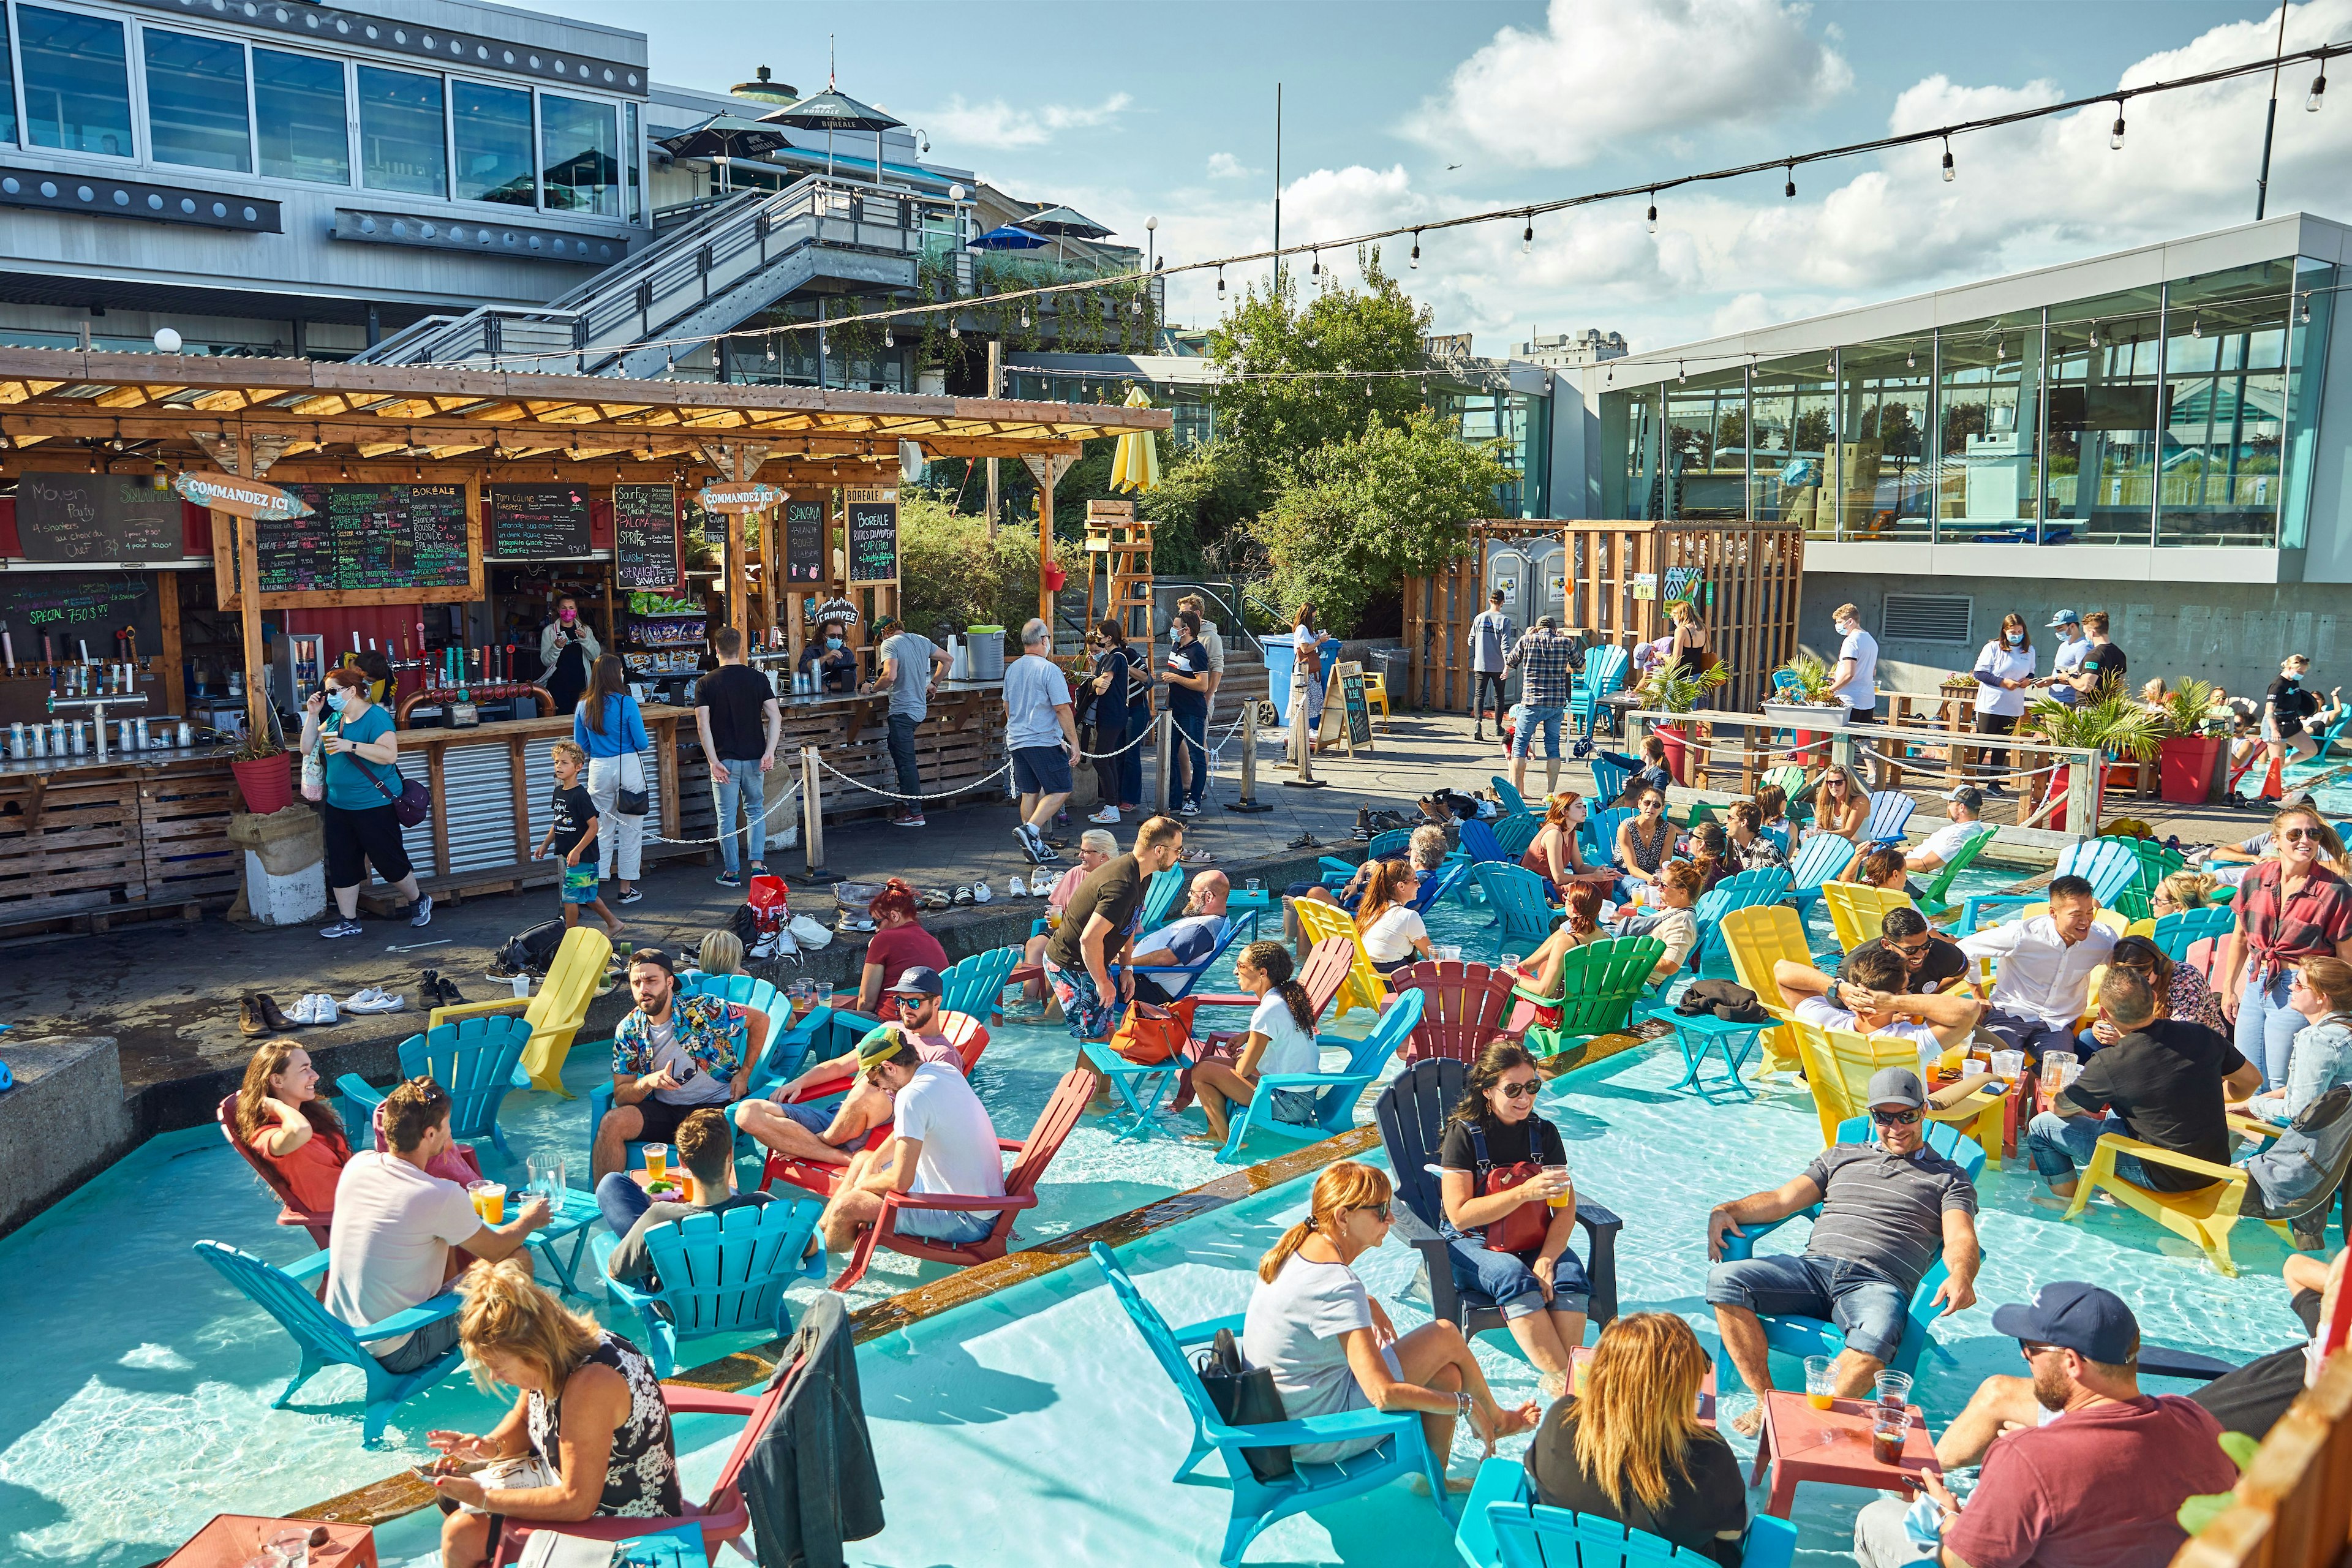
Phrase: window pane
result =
(77, 88)
(493, 131)
(2314, 313)
(402, 143)
(2224, 405)
(1990, 411)
(195, 101)
(1707, 445)
(1791, 432)
(299, 102)
(580, 154)
(7, 89)
(2098, 472)
(632, 154)
(1883, 490)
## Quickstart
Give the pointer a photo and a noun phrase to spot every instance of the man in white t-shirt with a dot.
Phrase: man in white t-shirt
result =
(395, 1225)
(941, 1143)
(1854, 682)
(1963, 807)
(1872, 1001)
(1041, 738)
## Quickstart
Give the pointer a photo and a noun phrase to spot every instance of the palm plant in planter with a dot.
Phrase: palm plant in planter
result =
(1801, 683)
(2192, 744)
(1671, 690)
(2109, 723)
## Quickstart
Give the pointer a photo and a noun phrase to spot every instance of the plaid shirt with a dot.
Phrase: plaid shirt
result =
(2279, 932)
(1549, 659)
(710, 1031)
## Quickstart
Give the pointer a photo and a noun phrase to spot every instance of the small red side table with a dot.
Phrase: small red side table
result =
(232, 1539)
(1802, 1444)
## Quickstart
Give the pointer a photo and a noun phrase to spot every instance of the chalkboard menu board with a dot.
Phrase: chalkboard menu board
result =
(804, 542)
(644, 536)
(75, 607)
(538, 522)
(873, 540)
(97, 517)
(366, 537)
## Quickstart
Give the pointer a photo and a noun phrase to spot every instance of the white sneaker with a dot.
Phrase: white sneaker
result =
(1106, 817)
(983, 893)
(371, 1000)
(1016, 889)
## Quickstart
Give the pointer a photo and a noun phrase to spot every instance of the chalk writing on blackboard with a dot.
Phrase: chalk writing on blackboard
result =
(873, 540)
(644, 536)
(97, 517)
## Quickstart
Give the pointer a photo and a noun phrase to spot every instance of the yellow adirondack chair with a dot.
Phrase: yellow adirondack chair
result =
(1363, 987)
(1838, 1068)
(556, 1013)
(1856, 910)
(1759, 937)
(2204, 1215)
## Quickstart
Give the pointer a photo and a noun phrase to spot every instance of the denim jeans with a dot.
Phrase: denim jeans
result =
(1191, 736)
(2267, 1027)
(1508, 1279)
(2059, 1145)
(1530, 715)
(902, 753)
(747, 783)
(621, 1201)
(1868, 1308)
(1130, 766)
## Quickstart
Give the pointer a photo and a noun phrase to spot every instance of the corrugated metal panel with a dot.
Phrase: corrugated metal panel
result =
(479, 783)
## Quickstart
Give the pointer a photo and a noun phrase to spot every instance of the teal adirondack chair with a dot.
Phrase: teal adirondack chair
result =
(1608, 782)
(975, 986)
(1508, 793)
(1600, 834)
(822, 1034)
(1385, 845)
(1935, 898)
(1890, 812)
(719, 1273)
(761, 996)
(1521, 902)
(1516, 832)
(1604, 672)
(1803, 1337)
(2181, 930)
(325, 1340)
(1336, 1093)
(1256, 1504)
(1503, 1526)
(1818, 860)
(2107, 864)
(1178, 979)
(1764, 885)
(473, 1059)
(1160, 896)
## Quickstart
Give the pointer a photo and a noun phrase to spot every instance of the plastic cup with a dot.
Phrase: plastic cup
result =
(1888, 1426)
(2009, 1066)
(1254, 884)
(1821, 1381)
(2053, 1070)
(1447, 952)
(522, 986)
(1894, 1389)
(657, 1160)
(491, 1201)
(551, 1181)
(291, 1548)
(1557, 1173)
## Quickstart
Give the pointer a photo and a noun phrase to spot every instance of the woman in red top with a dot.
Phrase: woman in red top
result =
(1552, 854)
(900, 945)
(2291, 906)
(281, 1117)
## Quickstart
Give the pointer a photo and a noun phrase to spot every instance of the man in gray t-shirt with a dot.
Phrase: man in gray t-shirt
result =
(910, 666)
(1492, 637)
(1888, 1209)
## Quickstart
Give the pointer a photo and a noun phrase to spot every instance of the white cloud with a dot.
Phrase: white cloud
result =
(999, 124)
(1606, 72)
(1225, 166)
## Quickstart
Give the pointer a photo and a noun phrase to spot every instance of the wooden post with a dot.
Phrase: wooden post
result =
(739, 612)
(1045, 546)
(248, 617)
(996, 389)
(167, 608)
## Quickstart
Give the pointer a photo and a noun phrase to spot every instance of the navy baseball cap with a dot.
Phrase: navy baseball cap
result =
(919, 980)
(2092, 1323)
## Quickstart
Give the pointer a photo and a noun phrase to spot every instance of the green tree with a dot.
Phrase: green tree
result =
(951, 574)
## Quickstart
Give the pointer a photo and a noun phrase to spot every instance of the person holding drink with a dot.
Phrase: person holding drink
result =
(671, 1056)
(1510, 1211)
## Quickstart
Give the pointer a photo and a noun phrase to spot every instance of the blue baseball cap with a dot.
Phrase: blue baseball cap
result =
(922, 980)
(2064, 619)
(2090, 1321)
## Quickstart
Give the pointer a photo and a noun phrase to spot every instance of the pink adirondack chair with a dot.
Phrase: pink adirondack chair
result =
(1070, 1099)
(1462, 1010)
(315, 1221)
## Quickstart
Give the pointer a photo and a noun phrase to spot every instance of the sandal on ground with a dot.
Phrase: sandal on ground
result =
(1196, 857)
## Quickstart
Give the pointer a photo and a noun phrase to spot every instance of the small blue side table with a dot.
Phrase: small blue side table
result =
(1696, 1032)
(571, 1217)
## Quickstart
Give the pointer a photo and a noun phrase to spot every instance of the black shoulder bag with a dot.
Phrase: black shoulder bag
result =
(412, 806)
(1244, 1395)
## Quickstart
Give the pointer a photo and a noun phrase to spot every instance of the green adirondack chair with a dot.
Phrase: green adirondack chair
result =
(1599, 984)
(1933, 901)
(2138, 901)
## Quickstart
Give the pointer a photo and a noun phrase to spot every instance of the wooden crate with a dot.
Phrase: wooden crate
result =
(70, 842)
(184, 810)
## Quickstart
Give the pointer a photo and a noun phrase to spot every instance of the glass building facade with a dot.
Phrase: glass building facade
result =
(2175, 413)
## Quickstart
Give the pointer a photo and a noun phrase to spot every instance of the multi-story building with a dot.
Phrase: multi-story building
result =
(1571, 351)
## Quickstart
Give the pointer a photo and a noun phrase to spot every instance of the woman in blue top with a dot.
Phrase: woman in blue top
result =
(610, 727)
(361, 753)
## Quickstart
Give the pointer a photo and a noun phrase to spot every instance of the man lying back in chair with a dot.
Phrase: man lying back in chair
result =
(1874, 998)
(1888, 1209)
(812, 1133)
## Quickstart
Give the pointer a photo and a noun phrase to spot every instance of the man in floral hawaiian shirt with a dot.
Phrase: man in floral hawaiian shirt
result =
(672, 1057)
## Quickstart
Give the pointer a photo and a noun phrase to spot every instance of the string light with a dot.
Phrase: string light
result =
(1790, 190)
(1528, 235)
(1653, 212)
(2196, 324)
(2115, 137)
(1681, 374)
(1025, 316)
(2095, 334)
(1416, 251)
(1317, 269)
(1221, 279)
(1910, 359)
(2318, 86)
(2304, 315)
(1949, 172)
(890, 338)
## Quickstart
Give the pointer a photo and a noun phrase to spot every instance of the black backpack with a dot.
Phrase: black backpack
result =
(530, 951)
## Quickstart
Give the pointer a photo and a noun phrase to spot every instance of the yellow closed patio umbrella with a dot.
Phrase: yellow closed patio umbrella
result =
(1135, 464)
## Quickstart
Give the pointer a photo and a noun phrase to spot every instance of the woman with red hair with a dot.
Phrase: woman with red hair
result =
(899, 944)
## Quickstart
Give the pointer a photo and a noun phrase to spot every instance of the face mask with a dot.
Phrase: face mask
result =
(569, 614)
(336, 698)
(832, 643)
(2015, 638)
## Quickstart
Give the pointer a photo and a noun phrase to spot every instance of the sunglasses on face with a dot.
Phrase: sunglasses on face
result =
(910, 1004)
(2297, 835)
(1520, 1090)
(2029, 1349)
(1913, 949)
(1894, 1118)
(1377, 1211)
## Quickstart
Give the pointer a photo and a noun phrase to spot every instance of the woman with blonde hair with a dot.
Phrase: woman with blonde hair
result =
(1390, 927)
(589, 1435)
(1630, 1447)
(721, 953)
(2183, 891)
(1331, 1347)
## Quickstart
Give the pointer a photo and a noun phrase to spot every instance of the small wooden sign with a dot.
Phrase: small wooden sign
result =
(241, 498)
(1347, 716)
(740, 497)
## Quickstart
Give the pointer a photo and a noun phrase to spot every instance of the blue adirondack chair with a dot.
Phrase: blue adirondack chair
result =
(1177, 979)
(1764, 885)
(719, 1273)
(1890, 811)
(1160, 896)
(1256, 1504)
(1604, 672)
(1600, 834)
(1508, 793)
(1503, 1526)
(326, 1341)
(2176, 932)
(473, 1059)
(975, 986)
(1385, 845)
(1819, 858)
(2107, 864)
(1608, 782)
(1478, 842)
(1779, 836)
(2328, 737)
(1336, 1093)
(1516, 831)
(822, 1034)
(1811, 1336)
(1521, 902)
(1451, 878)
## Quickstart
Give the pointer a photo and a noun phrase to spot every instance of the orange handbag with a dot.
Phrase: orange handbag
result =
(1149, 1035)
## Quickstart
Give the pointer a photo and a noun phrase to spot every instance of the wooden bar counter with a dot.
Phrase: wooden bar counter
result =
(141, 833)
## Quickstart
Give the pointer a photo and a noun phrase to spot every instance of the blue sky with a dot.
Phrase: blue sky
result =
(1130, 110)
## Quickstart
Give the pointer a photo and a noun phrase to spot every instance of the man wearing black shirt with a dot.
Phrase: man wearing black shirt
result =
(2164, 1083)
(2105, 662)
(1930, 962)
(1187, 680)
(735, 713)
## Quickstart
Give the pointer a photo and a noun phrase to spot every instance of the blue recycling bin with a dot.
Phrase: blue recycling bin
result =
(1281, 659)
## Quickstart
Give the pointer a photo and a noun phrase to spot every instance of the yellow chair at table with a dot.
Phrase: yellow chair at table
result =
(1376, 690)
(1856, 910)
(1840, 1063)
(558, 1010)
(1759, 937)
(1364, 987)
(2203, 1215)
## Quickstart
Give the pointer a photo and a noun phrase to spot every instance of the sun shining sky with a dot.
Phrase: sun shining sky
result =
(1394, 111)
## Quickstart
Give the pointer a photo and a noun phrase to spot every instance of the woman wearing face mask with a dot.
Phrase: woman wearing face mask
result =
(566, 649)
(361, 752)
(829, 656)
(2004, 671)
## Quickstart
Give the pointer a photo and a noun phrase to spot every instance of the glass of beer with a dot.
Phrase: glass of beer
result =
(657, 1160)
(2007, 1065)
(1888, 1426)
(1821, 1381)
(1558, 1175)
(2053, 1070)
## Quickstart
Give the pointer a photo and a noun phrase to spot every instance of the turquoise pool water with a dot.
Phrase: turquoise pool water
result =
(138, 1403)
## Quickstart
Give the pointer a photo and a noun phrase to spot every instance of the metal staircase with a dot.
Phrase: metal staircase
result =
(730, 261)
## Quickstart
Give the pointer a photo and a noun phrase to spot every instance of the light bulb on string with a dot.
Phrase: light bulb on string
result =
(2318, 86)
(1910, 359)
(890, 338)
(1024, 315)
(1317, 269)
(1221, 279)
(955, 330)
(1415, 263)
(2116, 136)
(1789, 189)
(2095, 334)
(1653, 212)
(1528, 235)
(1681, 376)
(2196, 324)
(2304, 314)
(1949, 172)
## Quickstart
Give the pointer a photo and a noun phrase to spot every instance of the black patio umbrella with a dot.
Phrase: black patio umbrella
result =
(833, 111)
(724, 136)
(1060, 221)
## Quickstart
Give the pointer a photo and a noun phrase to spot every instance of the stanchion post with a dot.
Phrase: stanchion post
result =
(2083, 794)
(1163, 726)
(813, 817)
(1302, 749)
(1249, 802)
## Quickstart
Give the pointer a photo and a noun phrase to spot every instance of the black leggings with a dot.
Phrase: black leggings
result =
(1985, 759)
(1479, 680)
(1106, 766)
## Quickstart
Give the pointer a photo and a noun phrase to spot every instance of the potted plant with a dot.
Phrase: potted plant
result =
(1801, 692)
(1671, 691)
(263, 777)
(2109, 723)
(2191, 749)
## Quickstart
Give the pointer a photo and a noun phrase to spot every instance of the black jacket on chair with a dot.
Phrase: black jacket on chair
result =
(810, 1483)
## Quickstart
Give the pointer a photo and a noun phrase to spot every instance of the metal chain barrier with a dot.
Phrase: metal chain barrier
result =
(893, 794)
(791, 793)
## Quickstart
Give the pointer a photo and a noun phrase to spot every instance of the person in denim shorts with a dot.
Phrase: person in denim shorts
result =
(1888, 1209)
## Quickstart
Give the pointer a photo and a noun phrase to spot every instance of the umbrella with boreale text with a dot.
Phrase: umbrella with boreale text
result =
(1135, 462)
(833, 111)
(1009, 237)
(725, 136)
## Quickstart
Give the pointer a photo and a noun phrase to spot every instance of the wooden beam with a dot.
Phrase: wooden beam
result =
(167, 610)
(248, 617)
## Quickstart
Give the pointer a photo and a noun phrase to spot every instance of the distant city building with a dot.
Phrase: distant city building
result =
(1567, 351)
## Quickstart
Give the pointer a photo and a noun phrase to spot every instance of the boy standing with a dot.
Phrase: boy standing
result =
(573, 827)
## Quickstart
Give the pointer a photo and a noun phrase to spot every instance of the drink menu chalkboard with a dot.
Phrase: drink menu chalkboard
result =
(77, 608)
(97, 517)
(644, 536)
(804, 542)
(873, 540)
(366, 537)
(538, 522)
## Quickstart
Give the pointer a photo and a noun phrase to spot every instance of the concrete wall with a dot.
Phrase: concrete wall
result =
(64, 1123)
(2231, 634)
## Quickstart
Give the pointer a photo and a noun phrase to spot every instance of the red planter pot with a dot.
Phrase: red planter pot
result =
(267, 783)
(2185, 765)
(1675, 740)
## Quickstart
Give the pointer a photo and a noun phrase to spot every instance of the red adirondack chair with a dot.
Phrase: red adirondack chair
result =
(963, 1031)
(724, 1516)
(1031, 1158)
(1325, 971)
(315, 1221)
(1462, 1009)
